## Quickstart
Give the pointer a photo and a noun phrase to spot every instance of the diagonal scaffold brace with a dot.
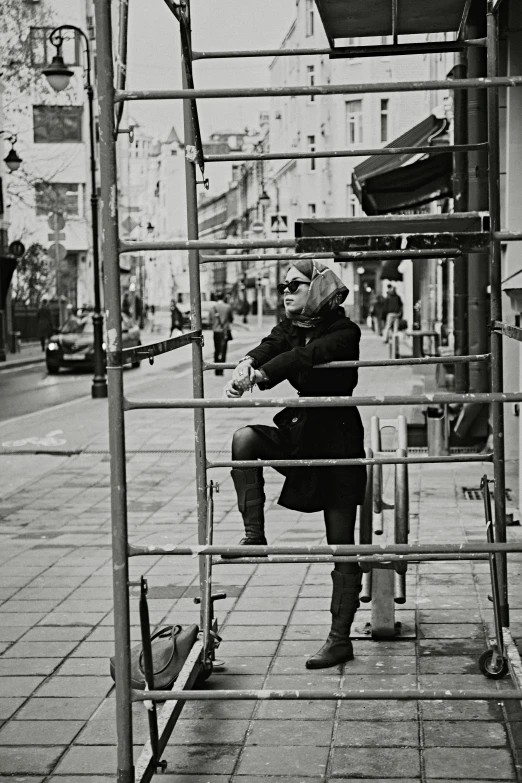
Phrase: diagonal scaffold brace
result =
(195, 155)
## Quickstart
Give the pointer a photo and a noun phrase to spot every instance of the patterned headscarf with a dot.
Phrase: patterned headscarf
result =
(325, 294)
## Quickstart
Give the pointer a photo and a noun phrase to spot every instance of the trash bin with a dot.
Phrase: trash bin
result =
(437, 435)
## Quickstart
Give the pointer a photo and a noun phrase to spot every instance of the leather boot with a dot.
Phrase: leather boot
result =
(345, 602)
(249, 483)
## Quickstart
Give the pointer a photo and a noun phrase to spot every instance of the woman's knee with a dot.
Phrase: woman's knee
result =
(243, 443)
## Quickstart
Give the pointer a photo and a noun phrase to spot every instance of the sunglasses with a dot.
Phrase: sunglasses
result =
(291, 286)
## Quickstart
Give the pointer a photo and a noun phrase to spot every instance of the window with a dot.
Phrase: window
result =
(352, 203)
(57, 197)
(309, 11)
(43, 51)
(354, 122)
(311, 148)
(311, 210)
(310, 72)
(53, 124)
(385, 103)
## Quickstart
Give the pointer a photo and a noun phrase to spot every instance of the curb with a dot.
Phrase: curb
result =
(10, 365)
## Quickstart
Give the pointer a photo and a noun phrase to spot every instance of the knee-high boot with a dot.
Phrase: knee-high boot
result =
(345, 602)
(249, 483)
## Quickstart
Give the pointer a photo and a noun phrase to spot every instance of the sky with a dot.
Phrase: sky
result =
(154, 58)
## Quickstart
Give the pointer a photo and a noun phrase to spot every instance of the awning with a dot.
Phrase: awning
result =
(359, 18)
(391, 183)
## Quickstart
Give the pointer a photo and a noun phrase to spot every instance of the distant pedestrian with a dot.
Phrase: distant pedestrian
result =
(244, 310)
(377, 313)
(125, 305)
(139, 311)
(220, 319)
(176, 318)
(393, 310)
(45, 324)
(151, 317)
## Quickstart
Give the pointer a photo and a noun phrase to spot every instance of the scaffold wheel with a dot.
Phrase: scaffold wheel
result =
(488, 669)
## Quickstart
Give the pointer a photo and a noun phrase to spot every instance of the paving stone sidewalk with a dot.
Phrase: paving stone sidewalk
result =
(56, 696)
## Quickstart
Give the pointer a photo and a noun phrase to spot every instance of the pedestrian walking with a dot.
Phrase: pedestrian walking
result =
(244, 310)
(45, 326)
(176, 318)
(220, 319)
(377, 313)
(126, 305)
(152, 317)
(315, 330)
(393, 311)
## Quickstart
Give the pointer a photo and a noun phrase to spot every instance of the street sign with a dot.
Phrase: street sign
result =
(257, 227)
(58, 252)
(279, 224)
(56, 221)
(17, 248)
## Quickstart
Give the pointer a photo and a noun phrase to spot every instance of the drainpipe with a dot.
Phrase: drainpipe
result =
(478, 266)
(460, 201)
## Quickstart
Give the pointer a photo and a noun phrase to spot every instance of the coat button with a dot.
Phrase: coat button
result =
(294, 420)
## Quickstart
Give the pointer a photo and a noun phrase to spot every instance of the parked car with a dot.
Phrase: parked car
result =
(73, 345)
(206, 309)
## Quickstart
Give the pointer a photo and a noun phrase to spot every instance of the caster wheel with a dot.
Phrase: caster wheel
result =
(487, 669)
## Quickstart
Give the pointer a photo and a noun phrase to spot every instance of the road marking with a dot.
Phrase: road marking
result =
(47, 441)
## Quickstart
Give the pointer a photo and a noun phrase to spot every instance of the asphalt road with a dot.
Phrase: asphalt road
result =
(28, 389)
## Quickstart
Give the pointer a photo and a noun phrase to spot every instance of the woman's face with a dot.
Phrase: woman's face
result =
(294, 303)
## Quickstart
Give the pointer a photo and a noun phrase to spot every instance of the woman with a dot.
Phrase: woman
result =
(314, 331)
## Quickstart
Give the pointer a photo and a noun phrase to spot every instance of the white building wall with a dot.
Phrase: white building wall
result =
(325, 186)
(66, 163)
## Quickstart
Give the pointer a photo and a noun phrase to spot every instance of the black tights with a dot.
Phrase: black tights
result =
(248, 443)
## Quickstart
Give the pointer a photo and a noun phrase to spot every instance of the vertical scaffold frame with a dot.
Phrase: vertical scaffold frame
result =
(457, 236)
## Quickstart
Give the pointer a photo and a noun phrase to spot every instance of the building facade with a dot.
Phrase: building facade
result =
(53, 141)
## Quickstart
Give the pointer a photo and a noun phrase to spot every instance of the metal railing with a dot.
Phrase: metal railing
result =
(431, 245)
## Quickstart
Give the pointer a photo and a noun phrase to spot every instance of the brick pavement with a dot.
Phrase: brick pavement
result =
(56, 698)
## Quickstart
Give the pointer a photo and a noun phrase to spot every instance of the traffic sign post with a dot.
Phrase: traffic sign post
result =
(58, 252)
(258, 227)
(279, 223)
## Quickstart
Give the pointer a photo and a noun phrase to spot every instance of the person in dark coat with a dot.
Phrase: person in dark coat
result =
(314, 331)
(45, 325)
(176, 318)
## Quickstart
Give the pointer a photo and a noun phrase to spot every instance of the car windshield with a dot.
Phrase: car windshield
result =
(76, 325)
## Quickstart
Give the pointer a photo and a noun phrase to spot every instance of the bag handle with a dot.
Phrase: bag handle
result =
(169, 630)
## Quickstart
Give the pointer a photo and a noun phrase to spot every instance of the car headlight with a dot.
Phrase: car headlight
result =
(53, 346)
(104, 346)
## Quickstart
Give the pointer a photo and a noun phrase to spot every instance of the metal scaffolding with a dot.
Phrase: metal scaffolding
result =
(450, 236)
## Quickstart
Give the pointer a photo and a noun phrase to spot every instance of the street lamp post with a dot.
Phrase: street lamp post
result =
(58, 76)
(360, 293)
(13, 162)
(276, 229)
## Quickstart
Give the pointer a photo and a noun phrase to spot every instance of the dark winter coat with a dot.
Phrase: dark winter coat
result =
(44, 322)
(316, 433)
(393, 304)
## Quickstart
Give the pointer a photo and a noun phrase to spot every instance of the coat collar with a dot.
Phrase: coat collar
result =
(300, 334)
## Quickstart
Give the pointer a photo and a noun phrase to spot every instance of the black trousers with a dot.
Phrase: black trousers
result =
(250, 444)
(220, 349)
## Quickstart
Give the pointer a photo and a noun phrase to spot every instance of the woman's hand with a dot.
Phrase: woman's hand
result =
(231, 391)
(243, 376)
